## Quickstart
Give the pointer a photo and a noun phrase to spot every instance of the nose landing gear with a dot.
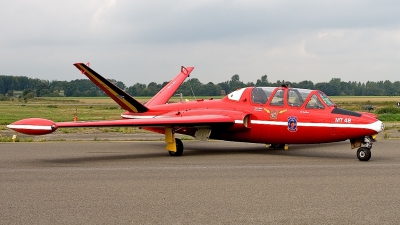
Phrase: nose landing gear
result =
(365, 144)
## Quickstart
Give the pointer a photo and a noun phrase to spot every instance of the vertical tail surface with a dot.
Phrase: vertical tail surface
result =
(166, 93)
(123, 99)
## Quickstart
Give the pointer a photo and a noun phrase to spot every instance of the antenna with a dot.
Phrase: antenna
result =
(192, 90)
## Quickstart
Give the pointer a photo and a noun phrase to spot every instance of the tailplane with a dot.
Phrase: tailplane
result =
(123, 99)
(166, 92)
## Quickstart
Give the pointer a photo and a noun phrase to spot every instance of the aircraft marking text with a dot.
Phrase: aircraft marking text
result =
(342, 120)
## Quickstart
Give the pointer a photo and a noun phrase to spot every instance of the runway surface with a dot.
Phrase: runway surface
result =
(213, 183)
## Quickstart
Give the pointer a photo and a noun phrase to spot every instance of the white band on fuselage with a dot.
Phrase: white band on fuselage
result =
(377, 126)
(29, 127)
(137, 117)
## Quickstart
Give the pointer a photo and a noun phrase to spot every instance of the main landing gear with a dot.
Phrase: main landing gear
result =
(179, 148)
(365, 144)
(278, 146)
(174, 145)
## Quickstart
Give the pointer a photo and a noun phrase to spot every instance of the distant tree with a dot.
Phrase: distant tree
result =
(396, 87)
(42, 88)
(190, 87)
(84, 87)
(250, 84)
(235, 83)
(389, 88)
(306, 84)
(28, 94)
(76, 93)
(119, 84)
(210, 90)
(27, 91)
(323, 86)
(372, 89)
(225, 86)
(137, 90)
(334, 86)
(263, 82)
(44, 92)
(152, 89)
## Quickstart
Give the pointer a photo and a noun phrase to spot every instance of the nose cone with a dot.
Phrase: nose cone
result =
(378, 126)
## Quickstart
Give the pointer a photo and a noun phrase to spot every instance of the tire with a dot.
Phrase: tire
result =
(370, 154)
(364, 154)
(179, 148)
(277, 146)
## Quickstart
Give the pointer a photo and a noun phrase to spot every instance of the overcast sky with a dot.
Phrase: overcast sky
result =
(145, 40)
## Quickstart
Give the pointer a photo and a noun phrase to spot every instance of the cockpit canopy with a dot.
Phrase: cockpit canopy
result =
(284, 96)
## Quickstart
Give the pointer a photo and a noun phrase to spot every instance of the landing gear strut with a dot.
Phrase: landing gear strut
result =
(179, 148)
(364, 152)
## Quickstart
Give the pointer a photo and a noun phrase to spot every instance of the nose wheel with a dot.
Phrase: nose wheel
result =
(364, 154)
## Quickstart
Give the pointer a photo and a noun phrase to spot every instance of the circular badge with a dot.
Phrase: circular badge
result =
(292, 123)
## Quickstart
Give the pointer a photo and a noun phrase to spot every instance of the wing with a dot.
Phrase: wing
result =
(38, 126)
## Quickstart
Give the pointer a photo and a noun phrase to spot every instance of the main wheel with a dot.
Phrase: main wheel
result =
(179, 148)
(363, 154)
(277, 146)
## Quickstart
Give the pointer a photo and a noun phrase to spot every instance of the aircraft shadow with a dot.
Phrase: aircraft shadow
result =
(209, 149)
(107, 156)
(294, 150)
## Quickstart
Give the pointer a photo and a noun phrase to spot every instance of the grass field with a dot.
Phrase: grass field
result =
(58, 113)
(338, 99)
(108, 100)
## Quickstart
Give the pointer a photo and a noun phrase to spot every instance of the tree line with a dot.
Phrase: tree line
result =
(30, 87)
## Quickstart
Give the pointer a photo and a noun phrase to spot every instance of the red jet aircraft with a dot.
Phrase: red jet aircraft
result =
(273, 115)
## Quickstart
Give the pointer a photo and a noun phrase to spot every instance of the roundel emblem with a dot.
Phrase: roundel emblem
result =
(292, 123)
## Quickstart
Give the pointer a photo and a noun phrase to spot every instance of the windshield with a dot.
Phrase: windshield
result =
(326, 99)
(314, 103)
(296, 97)
(260, 95)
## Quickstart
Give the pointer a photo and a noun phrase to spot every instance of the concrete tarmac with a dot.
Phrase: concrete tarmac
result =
(125, 182)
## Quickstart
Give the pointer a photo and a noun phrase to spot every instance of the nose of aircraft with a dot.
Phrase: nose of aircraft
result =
(378, 126)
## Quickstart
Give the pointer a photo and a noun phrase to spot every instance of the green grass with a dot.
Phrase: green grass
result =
(108, 100)
(58, 113)
(6, 139)
(124, 130)
(389, 117)
(10, 139)
(386, 135)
